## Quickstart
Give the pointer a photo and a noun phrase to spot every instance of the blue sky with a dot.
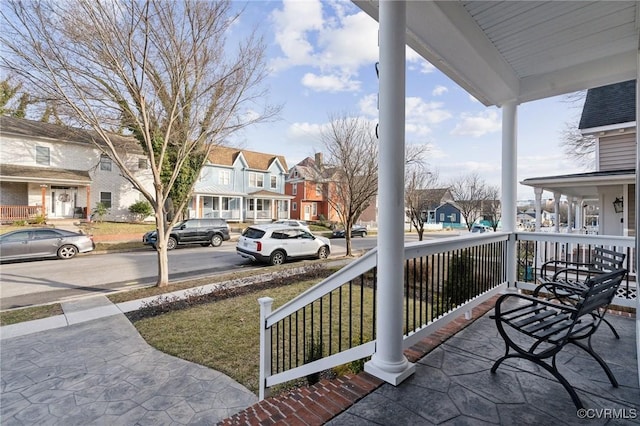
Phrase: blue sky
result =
(321, 57)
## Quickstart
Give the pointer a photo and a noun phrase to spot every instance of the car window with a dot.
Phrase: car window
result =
(253, 233)
(192, 223)
(306, 235)
(43, 235)
(18, 236)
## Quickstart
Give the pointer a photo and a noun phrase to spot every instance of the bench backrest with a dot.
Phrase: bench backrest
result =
(599, 292)
(605, 260)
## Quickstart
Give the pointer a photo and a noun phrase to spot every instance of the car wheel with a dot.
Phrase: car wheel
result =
(323, 253)
(277, 257)
(216, 240)
(363, 234)
(172, 243)
(67, 252)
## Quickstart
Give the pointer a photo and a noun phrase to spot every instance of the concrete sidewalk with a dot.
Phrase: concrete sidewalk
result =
(91, 366)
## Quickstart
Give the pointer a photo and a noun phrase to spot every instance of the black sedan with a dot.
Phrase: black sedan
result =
(43, 242)
(356, 231)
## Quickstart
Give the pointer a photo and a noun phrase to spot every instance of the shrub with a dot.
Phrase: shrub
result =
(99, 211)
(140, 210)
(39, 220)
(20, 223)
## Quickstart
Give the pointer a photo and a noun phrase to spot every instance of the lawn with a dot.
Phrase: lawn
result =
(223, 335)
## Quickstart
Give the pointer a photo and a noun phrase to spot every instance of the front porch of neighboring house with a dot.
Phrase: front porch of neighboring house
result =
(52, 200)
(266, 206)
(227, 206)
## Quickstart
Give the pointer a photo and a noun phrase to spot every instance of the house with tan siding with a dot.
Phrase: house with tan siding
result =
(609, 115)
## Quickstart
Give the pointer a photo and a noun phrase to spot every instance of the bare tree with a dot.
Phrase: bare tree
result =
(352, 162)
(162, 70)
(578, 146)
(468, 192)
(491, 207)
(419, 186)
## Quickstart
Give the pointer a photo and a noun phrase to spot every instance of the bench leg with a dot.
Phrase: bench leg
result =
(615, 333)
(597, 357)
(552, 370)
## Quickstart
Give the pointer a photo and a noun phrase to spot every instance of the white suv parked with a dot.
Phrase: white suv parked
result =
(275, 243)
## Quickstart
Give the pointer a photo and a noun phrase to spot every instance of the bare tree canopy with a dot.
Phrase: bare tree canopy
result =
(576, 145)
(469, 191)
(419, 185)
(161, 70)
(352, 161)
(491, 206)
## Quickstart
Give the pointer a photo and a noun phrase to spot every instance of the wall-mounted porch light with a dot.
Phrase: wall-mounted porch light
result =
(618, 205)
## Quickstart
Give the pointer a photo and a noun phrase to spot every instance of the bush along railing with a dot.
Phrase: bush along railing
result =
(334, 323)
(534, 249)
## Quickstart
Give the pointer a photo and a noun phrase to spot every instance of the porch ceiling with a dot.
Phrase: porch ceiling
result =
(501, 51)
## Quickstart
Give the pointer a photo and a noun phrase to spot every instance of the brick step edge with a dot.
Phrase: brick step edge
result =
(319, 403)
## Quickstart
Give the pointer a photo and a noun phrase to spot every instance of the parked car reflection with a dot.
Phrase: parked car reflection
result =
(43, 242)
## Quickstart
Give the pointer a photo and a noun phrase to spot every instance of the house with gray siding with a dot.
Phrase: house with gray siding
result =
(241, 186)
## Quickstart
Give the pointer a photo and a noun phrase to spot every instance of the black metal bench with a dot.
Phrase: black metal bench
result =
(541, 329)
(565, 281)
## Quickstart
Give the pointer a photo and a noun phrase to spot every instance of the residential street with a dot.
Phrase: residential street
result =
(43, 281)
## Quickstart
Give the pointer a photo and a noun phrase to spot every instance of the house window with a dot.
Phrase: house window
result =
(314, 209)
(105, 199)
(142, 164)
(441, 217)
(294, 206)
(43, 156)
(105, 163)
(258, 204)
(453, 217)
(256, 180)
(318, 189)
(274, 182)
(224, 177)
(294, 191)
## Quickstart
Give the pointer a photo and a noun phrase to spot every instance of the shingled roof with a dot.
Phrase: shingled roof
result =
(60, 133)
(224, 156)
(607, 105)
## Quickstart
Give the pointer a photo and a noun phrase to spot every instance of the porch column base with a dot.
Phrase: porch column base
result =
(390, 373)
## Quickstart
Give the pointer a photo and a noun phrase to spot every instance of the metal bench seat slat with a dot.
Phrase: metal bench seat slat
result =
(539, 316)
(534, 329)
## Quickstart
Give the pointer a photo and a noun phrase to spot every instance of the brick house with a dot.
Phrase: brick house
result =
(241, 186)
(310, 183)
(60, 170)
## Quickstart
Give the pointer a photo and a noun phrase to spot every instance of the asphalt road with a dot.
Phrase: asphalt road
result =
(34, 282)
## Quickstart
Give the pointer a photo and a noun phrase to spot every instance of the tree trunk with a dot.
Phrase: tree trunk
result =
(161, 244)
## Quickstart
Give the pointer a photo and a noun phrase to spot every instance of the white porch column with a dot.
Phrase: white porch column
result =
(388, 362)
(579, 216)
(637, 217)
(510, 182)
(569, 215)
(556, 210)
(538, 206)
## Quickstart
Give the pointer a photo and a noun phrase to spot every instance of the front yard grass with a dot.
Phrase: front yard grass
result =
(223, 335)
(29, 314)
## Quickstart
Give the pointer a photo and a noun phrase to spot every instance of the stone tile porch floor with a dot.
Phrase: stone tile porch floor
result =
(102, 372)
(453, 385)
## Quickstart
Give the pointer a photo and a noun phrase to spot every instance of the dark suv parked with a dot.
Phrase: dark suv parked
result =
(193, 231)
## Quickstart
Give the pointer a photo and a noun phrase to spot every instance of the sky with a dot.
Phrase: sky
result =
(321, 59)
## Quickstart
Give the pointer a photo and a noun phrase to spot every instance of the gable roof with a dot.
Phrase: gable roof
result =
(20, 173)
(225, 156)
(611, 104)
(60, 133)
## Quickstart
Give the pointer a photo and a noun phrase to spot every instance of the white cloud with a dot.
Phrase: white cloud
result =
(439, 90)
(306, 132)
(477, 125)
(335, 40)
(330, 83)
(473, 99)
(369, 105)
(418, 110)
